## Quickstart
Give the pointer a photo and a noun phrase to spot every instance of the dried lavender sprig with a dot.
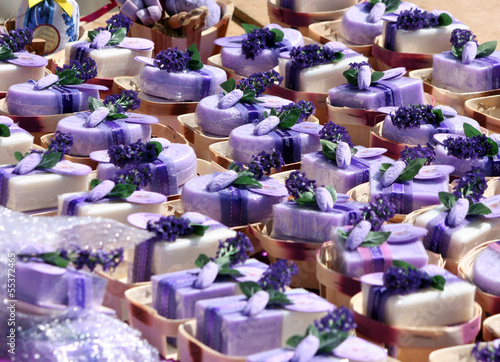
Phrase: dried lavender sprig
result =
(16, 40)
(262, 163)
(488, 353)
(460, 37)
(138, 175)
(379, 211)
(312, 54)
(412, 153)
(340, 319)
(278, 275)
(256, 41)
(168, 228)
(468, 147)
(415, 19)
(258, 82)
(307, 109)
(335, 133)
(234, 250)
(134, 153)
(414, 116)
(85, 70)
(471, 185)
(406, 280)
(61, 142)
(297, 183)
(126, 100)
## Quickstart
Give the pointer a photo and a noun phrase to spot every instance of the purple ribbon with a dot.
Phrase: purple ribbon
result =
(492, 166)
(362, 173)
(82, 51)
(390, 36)
(234, 206)
(439, 240)
(5, 175)
(165, 295)
(288, 4)
(16, 129)
(401, 194)
(288, 143)
(117, 132)
(79, 290)
(72, 204)
(206, 81)
(352, 213)
(391, 93)
(67, 98)
(251, 113)
(165, 180)
(378, 259)
(493, 76)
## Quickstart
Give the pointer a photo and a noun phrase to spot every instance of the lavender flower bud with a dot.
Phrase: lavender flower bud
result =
(100, 191)
(46, 81)
(392, 173)
(343, 155)
(97, 116)
(376, 13)
(446, 110)
(207, 275)
(458, 212)
(256, 304)
(230, 99)
(101, 40)
(358, 234)
(222, 180)
(469, 52)
(28, 164)
(307, 348)
(324, 199)
(266, 126)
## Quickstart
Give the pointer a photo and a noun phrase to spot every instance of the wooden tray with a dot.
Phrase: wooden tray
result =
(491, 328)
(485, 110)
(454, 354)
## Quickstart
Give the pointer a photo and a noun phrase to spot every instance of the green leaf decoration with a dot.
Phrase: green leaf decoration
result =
(278, 35)
(277, 298)
(343, 234)
(249, 27)
(373, 2)
(444, 19)
(412, 169)
(248, 96)
(68, 76)
(353, 151)
(306, 198)
(249, 288)
(312, 330)
(447, 199)
(274, 112)
(329, 149)
(338, 57)
(94, 183)
(195, 62)
(294, 341)
(202, 260)
(199, 229)
(332, 192)
(233, 166)
(289, 119)
(329, 341)
(116, 116)
(352, 76)
(391, 6)
(247, 180)
(384, 167)
(18, 156)
(479, 209)
(494, 148)
(195, 65)
(377, 76)
(229, 272)
(6, 53)
(486, 49)
(118, 36)
(49, 160)
(92, 34)
(439, 115)
(122, 191)
(402, 264)
(4, 130)
(94, 104)
(438, 282)
(376, 238)
(229, 85)
(457, 52)
(470, 131)
(158, 147)
(54, 259)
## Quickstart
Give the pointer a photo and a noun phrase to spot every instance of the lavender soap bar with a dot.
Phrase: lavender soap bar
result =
(404, 243)
(486, 269)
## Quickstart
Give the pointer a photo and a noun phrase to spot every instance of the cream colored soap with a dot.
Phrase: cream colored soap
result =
(16, 142)
(11, 74)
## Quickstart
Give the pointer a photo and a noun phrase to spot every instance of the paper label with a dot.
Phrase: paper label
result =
(273, 102)
(394, 73)
(251, 273)
(375, 279)
(494, 205)
(270, 187)
(313, 129)
(68, 168)
(434, 171)
(136, 44)
(401, 233)
(146, 197)
(140, 118)
(88, 86)
(140, 219)
(145, 60)
(51, 36)
(370, 152)
(307, 302)
(100, 156)
(28, 60)
(230, 41)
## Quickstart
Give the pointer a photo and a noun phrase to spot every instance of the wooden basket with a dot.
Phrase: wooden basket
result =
(414, 344)
(454, 354)
(387, 59)
(491, 328)
(489, 302)
(485, 110)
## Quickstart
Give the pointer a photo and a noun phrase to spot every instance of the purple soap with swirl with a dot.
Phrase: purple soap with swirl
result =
(107, 133)
(231, 206)
(243, 143)
(24, 100)
(181, 86)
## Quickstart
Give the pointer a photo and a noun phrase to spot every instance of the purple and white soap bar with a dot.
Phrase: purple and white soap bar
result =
(243, 143)
(106, 134)
(418, 309)
(182, 86)
(18, 141)
(404, 243)
(486, 269)
(231, 206)
(21, 69)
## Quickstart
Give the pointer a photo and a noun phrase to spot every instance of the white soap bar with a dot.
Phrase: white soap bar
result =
(11, 74)
(113, 209)
(430, 40)
(17, 142)
(429, 306)
(111, 61)
(40, 190)
(462, 239)
(321, 78)
(170, 257)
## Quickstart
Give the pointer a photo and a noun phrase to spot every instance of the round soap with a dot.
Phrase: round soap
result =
(181, 86)
(182, 156)
(195, 197)
(211, 119)
(486, 270)
(243, 144)
(357, 30)
(107, 133)
(461, 165)
(23, 100)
